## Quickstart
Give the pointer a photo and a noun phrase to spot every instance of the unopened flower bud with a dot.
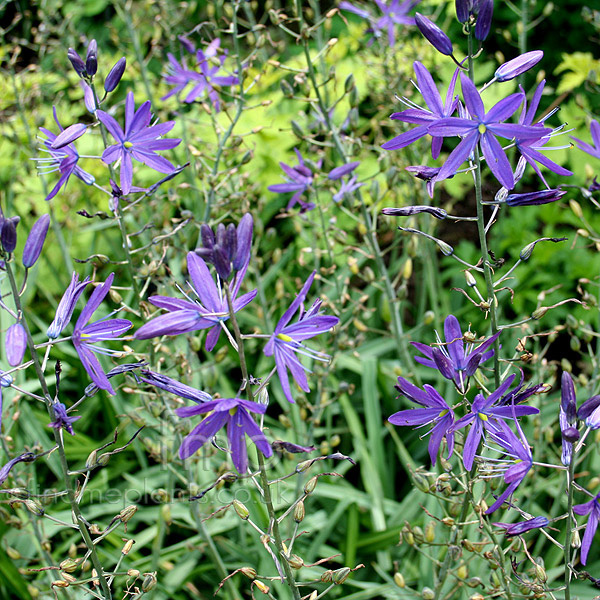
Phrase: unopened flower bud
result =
(15, 344)
(434, 35)
(77, 62)
(244, 241)
(115, 74)
(35, 241)
(91, 59)
(8, 234)
(515, 67)
(484, 19)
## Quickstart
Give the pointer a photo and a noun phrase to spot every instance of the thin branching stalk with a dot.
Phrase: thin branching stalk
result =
(264, 479)
(78, 518)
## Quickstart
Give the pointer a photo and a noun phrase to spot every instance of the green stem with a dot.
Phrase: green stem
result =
(78, 517)
(266, 489)
(491, 297)
(241, 101)
(570, 521)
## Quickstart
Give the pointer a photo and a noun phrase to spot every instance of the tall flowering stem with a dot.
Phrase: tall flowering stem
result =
(370, 235)
(264, 479)
(569, 529)
(80, 521)
(487, 271)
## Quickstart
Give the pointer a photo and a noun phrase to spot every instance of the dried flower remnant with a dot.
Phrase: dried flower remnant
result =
(435, 411)
(521, 527)
(138, 141)
(5, 470)
(61, 418)
(235, 414)
(173, 386)
(287, 340)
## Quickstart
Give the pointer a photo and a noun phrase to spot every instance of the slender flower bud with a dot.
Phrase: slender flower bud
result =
(519, 528)
(484, 19)
(244, 241)
(91, 60)
(230, 242)
(463, 10)
(77, 62)
(568, 402)
(513, 68)
(115, 74)
(15, 344)
(534, 198)
(589, 411)
(221, 261)
(5, 470)
(187, 44)
(407, 211)
(35, 241)
(8, 235)
(434, 35)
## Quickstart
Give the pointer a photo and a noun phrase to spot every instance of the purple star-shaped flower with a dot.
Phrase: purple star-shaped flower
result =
(482, 127)
(138, 141)
(85, 335)
(422, 117)
(233, 412)
(299, 180)
(63, 159)
(394, 13)
(204, 81)
(591, 508)
(484, 415)
(206, 309)
(530, 149)
(453, 359)
(435, 411)
(517, 448)
(286, 341)
(591, 150)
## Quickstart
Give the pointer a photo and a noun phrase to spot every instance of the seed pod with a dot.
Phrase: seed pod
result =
(127, 547)
(399, 580)
(149, 582)
(427, 593)
(241, 510)
(69, 565)
(310, 485)
(261, 586)
(430, 532)
(249, 572)
(340, 575)
(128, 512)
(13, 553)
(299, 512)
(34, 507)
(295, 561)
(462, 572)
